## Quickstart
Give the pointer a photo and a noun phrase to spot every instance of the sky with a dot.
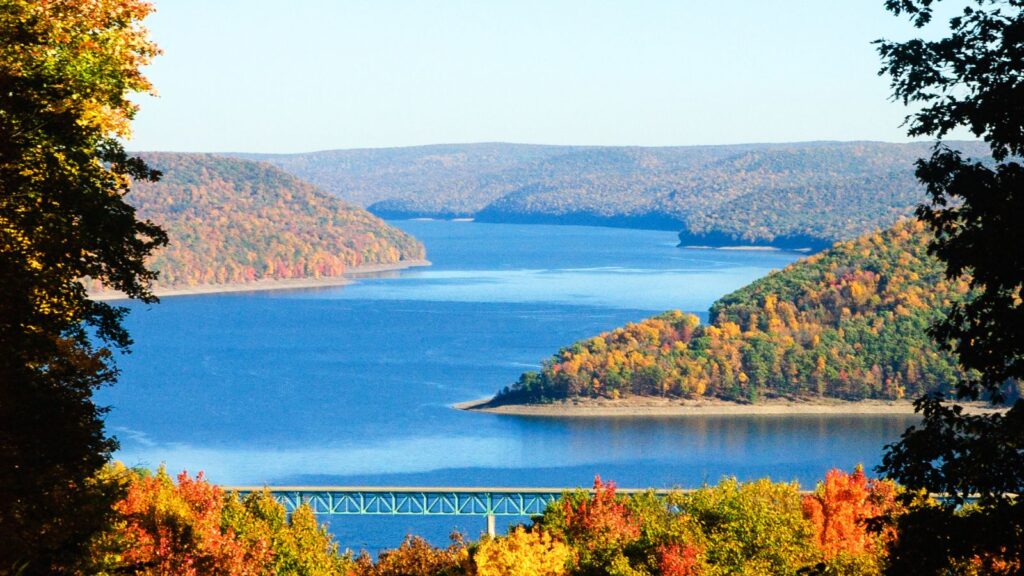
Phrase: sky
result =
(304, 75)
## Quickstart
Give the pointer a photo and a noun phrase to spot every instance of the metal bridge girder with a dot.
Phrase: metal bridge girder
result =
(455, 501)
(383, 501)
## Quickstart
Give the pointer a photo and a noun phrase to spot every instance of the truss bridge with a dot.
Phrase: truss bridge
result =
(487, 502)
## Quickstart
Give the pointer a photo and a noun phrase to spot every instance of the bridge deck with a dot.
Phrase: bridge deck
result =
(421, 500)
(446, 489)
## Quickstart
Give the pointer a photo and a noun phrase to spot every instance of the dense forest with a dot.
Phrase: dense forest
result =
(790, 195)
(232, 220)
(850, 322)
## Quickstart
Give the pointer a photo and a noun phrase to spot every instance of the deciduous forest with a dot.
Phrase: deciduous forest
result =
(915, 289)
(850, 322)
(801, 195)
(233, 220)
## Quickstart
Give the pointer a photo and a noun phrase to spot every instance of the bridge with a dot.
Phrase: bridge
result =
(487, 502)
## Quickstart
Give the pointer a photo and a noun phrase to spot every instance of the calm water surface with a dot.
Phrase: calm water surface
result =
(353, 385)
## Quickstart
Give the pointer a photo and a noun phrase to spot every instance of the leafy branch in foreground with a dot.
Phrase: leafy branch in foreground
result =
(67, 69)
(973, 78)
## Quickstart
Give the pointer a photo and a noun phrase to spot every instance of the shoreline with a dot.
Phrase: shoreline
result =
(661, 407)
(745, 248)
(272, 283)
(740, 248)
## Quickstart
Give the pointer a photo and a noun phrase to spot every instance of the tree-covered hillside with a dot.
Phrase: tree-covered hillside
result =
(233, 220)
(440, 180)
(850, 322)
(792, 195)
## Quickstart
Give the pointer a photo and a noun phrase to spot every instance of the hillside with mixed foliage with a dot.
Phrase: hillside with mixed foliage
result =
(233, 221)
(850, 322)
(439, 180)
(791, 195)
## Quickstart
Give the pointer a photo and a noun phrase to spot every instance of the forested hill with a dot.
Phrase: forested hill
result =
(849, 322)
(790, 195)
(232, 220)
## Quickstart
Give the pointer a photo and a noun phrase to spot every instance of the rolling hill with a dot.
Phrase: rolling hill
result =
(236, 221)
(788, 195)
(850, 322)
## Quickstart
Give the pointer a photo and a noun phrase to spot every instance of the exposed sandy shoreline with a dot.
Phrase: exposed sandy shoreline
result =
(634, 407)
(285, 284)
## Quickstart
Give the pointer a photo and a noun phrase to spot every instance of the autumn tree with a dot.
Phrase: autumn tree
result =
(187, 526)
(638, 534)
(850, 514)
(298, 544)
(168, 527)
(752, 528)
(521, 553)
(67, 68)
(971, 77)
(416, 557)
(600, 526)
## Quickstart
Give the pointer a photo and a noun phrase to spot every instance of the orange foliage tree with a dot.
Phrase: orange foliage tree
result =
(638, 534)
(841, 511)
(754, 528)
(193, 528)
(174, 528)
(68, 69)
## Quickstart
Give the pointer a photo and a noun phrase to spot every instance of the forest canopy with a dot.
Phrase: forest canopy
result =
(851, 322)
(800, 195)
(232, 221)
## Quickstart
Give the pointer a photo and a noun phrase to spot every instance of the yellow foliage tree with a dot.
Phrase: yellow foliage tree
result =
(522, 553)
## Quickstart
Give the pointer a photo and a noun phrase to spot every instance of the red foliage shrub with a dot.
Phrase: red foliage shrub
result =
(679, 560)
(601, 521)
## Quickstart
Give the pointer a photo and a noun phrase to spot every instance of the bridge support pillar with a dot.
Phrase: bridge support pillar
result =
(490, 525)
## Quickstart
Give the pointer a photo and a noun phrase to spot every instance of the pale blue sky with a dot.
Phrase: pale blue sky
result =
(301, 75)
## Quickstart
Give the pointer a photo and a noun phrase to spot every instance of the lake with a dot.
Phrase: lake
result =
(353, 385)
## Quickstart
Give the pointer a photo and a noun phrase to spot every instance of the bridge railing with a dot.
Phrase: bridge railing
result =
(488, 502)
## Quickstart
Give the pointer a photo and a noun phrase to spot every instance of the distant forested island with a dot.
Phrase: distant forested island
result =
(238, 221)
(802, 195)
(850, 322)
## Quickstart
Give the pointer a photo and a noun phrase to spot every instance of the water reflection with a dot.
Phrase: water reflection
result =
(686, 449)
(659, 452)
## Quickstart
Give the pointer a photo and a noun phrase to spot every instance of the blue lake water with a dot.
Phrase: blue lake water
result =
(353, 385)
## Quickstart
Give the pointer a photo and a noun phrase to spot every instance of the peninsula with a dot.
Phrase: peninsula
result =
(842, 331)
(638, 406)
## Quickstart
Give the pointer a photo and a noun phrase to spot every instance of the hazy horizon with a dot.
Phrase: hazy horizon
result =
(253, 76)
(137, 150)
